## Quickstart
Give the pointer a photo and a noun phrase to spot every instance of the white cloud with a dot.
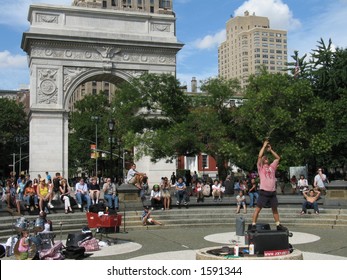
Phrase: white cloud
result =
(279, 14)
(211, 41)
(331, 23)
(7, 60)
(14, 79)
(15, 12)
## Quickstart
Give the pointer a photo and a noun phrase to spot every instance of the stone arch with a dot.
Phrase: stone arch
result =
(68, 45)
(79, 76)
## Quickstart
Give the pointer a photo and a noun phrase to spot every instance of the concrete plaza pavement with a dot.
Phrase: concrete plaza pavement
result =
(182, 243)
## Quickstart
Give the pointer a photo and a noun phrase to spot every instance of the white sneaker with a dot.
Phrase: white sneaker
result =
(79, 205)
(50, 205)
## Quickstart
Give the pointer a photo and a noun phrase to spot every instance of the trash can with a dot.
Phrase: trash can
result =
(240, 226)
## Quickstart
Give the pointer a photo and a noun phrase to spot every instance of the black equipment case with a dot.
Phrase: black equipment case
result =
(268, 240)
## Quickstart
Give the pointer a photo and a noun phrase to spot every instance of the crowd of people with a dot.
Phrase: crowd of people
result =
(260, 187)
(40, 193)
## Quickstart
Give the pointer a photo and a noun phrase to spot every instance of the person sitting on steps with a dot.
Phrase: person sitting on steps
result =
(147, 219)
(134, 177)
(181, 193)
(94, 191)
(110, 194)
(156, 199)
(310, 201)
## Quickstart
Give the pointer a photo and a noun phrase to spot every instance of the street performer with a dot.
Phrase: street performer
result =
(267, 193)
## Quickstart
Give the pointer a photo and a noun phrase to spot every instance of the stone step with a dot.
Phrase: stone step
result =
(197, 216)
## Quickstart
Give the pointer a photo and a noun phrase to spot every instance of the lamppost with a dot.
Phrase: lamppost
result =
(20, 139)
(111, 124)
(119, 163)
(96, 154)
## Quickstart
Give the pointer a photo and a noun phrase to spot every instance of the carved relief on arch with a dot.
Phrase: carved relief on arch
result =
(70, 73)
(134, 73)
(47, 18)
(47, 91)
(160, 27)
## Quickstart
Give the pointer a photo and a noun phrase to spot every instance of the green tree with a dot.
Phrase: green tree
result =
(13, 124)
(82, 124)
(281, 108)
(329, 72)
(147, 107)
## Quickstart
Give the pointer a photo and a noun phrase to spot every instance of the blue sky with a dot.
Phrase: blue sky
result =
(200, 26)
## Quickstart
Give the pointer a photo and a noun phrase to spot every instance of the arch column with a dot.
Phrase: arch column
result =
(48, 142)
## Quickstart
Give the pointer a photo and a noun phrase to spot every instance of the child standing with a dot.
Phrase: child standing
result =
(241, 201)
(23, 246)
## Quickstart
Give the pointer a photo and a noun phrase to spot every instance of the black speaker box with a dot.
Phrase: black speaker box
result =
(74, 238)
(268, 240)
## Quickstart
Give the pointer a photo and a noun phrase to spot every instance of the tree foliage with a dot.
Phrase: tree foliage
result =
(13, 124)
(92, 110)
(304, 115)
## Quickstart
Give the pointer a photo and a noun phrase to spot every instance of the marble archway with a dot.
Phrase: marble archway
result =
(69, 45)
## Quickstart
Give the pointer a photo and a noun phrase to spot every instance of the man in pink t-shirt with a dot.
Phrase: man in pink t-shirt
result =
(267, 192)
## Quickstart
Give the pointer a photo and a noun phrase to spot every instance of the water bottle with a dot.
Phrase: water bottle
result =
(236, 250)
(251, 249)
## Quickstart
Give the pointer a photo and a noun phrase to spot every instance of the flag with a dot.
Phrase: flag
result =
(296, 69)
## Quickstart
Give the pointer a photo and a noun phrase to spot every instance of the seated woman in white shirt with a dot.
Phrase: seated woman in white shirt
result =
(156, 199)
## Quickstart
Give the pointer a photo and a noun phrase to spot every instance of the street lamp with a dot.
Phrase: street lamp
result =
(20, 139)
(96, 119)
(111, 124)
(119, 165)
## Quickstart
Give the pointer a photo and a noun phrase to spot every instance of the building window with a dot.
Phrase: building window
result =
(113, 3)
(94, 91)
(104, 4)
(165, 4)
(127, 3)
(204, 161)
